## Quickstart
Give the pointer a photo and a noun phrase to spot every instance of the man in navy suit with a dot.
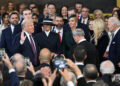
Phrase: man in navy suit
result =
(24, 42)
(9, 33)
(27, 14)
(114, 50)
(49, 39)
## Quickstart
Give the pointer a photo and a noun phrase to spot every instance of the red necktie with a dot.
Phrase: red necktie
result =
(78, 17)
(33, 48)
(59, 36)
(83, 21)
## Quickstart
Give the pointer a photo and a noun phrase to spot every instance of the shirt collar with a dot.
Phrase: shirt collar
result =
(91, 81)
(27, 34)
(79, 63)
(82, 40)
(61, 30)
(47, 33)
(116, 31)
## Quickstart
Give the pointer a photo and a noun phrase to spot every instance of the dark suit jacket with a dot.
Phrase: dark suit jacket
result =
(92, 54)
(114, 50)
(6, 40)
(37, 27)
(85, 29)
(82, 82)
(51, 42)
(25, 49)
(14, 80)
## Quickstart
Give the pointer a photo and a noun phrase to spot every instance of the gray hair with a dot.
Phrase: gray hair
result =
(18, 58)
(78, 32)
(114, 20)
(25, 21)
(107, 67)
(73, 79)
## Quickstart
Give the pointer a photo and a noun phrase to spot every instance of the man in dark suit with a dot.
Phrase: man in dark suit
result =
(25, 44)
(9, 33)
(49, 39)
(80, 55)
(92, 54)
(114, 50)
(27, 14)
(59, 29)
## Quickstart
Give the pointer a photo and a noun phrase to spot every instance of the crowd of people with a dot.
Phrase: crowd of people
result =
(65, 47)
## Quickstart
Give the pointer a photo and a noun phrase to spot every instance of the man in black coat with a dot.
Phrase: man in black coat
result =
(92, 54)
(25, 44)
(80, 55)
(49, 39)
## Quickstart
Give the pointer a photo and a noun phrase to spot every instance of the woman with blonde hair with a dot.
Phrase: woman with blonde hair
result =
(100, 38)
(98, 14)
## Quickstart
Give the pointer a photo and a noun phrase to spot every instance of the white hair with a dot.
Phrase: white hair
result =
(78, 32)
(114, 20)
(107, 67)
(73, 79)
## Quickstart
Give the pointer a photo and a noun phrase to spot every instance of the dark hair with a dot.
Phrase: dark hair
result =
(25, 9)
(90, 71)
(106, 17)
(13, 13)
(34, 14)
(3, 15)
(62, 7)
(38, 80)
(52, 4)
(71, 8)
(118, 12)
(80, 53)
(78, 2)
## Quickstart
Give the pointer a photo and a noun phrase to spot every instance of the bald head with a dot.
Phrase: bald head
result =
(113, 24)
(45, 55)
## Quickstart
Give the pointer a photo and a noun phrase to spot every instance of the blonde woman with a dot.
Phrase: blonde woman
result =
(100, 39)
(98, 14)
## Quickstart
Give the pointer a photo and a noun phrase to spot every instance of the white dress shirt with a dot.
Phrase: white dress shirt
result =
(12, 28)
(47, 33)
(86, 20)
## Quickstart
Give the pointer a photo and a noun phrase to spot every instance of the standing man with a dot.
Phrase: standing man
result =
(9, 33)
(92, 54)
(24, 42)
(114, 50)
(78, 7)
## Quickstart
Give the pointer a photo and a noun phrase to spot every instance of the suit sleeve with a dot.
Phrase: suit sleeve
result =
(118, 48)
(17, 47)
(81, 82)
(2, 42)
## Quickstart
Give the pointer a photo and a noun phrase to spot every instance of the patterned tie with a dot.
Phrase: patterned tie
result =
(83, 21)
(33, 48)
(59, 37)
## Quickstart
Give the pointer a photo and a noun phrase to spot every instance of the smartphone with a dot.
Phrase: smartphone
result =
(27, 61)
(2, 53)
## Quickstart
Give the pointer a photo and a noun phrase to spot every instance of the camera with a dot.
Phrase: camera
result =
(27, 61)
(59, 62)
(2, 53)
